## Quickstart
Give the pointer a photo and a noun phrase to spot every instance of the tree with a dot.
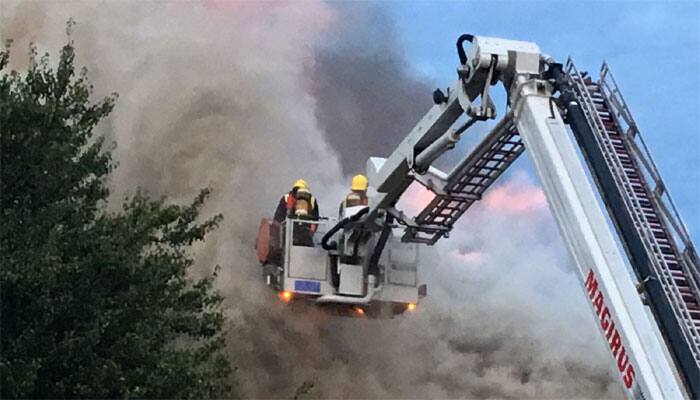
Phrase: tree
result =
(94, 303)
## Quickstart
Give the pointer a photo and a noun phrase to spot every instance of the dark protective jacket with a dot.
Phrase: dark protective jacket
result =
(288, 205)
(285, 207)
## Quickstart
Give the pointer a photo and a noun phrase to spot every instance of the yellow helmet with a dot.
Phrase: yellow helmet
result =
(359, 182)
(300, 183)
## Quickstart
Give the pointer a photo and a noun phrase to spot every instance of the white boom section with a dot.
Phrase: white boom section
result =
(639, 358)
(391, 177)
(638, 355)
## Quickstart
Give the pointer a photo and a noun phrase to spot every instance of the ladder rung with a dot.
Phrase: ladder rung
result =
(454, 196)
(489, 168)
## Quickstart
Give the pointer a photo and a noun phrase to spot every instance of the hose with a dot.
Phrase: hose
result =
(460, 48)
(373, 267)
(334, 245)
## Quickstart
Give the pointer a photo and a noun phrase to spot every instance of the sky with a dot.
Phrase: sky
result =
(260, 83)
(653, 49)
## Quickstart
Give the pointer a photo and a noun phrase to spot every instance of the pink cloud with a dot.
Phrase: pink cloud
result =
(415, 199)
(516, 196)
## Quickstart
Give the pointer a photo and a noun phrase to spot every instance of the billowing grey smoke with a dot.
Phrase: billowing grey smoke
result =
(244, 98)
(368, 98)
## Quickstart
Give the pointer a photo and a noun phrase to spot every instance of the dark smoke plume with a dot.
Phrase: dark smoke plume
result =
(245, 97)
(368, 98)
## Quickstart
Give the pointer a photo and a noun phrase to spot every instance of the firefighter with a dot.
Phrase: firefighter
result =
(301, 204)
(357, 195)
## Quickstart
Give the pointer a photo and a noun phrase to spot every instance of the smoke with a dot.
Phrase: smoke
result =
(244, 98)
(368, 98)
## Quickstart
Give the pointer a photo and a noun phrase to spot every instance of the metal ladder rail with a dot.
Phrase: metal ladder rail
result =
(627, 187)
(671, 289)
(686, 265)
(679, 336)
(664, 260)
(621, 110)
(670, 264)
(675, 293)
(466, 184)
(613, 94)
(594, 120)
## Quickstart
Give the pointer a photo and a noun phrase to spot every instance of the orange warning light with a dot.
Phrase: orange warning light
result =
(285, 296)
(359, 311)
(411, 306)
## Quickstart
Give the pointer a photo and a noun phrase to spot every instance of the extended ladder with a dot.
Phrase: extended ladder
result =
(466, 184)
(647, 223)
(652, 232)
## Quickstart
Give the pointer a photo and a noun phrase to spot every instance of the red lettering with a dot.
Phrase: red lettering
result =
(591, 284)
(628, 379)
(598, 303)
(605, 319)
(615, 343)
(607, 324)
(622, 360)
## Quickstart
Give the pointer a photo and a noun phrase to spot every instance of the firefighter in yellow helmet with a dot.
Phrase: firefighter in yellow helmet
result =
(357, 195)
(299, 203)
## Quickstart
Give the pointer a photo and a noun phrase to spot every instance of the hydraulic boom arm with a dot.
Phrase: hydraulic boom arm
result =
(536, 121)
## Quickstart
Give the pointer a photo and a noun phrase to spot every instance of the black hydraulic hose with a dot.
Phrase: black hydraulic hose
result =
(358, 214)
(460, 48)
(373, 268)
(335, 277)
(334, 245)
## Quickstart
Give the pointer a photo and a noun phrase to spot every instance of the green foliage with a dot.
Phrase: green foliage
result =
(94, 303)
